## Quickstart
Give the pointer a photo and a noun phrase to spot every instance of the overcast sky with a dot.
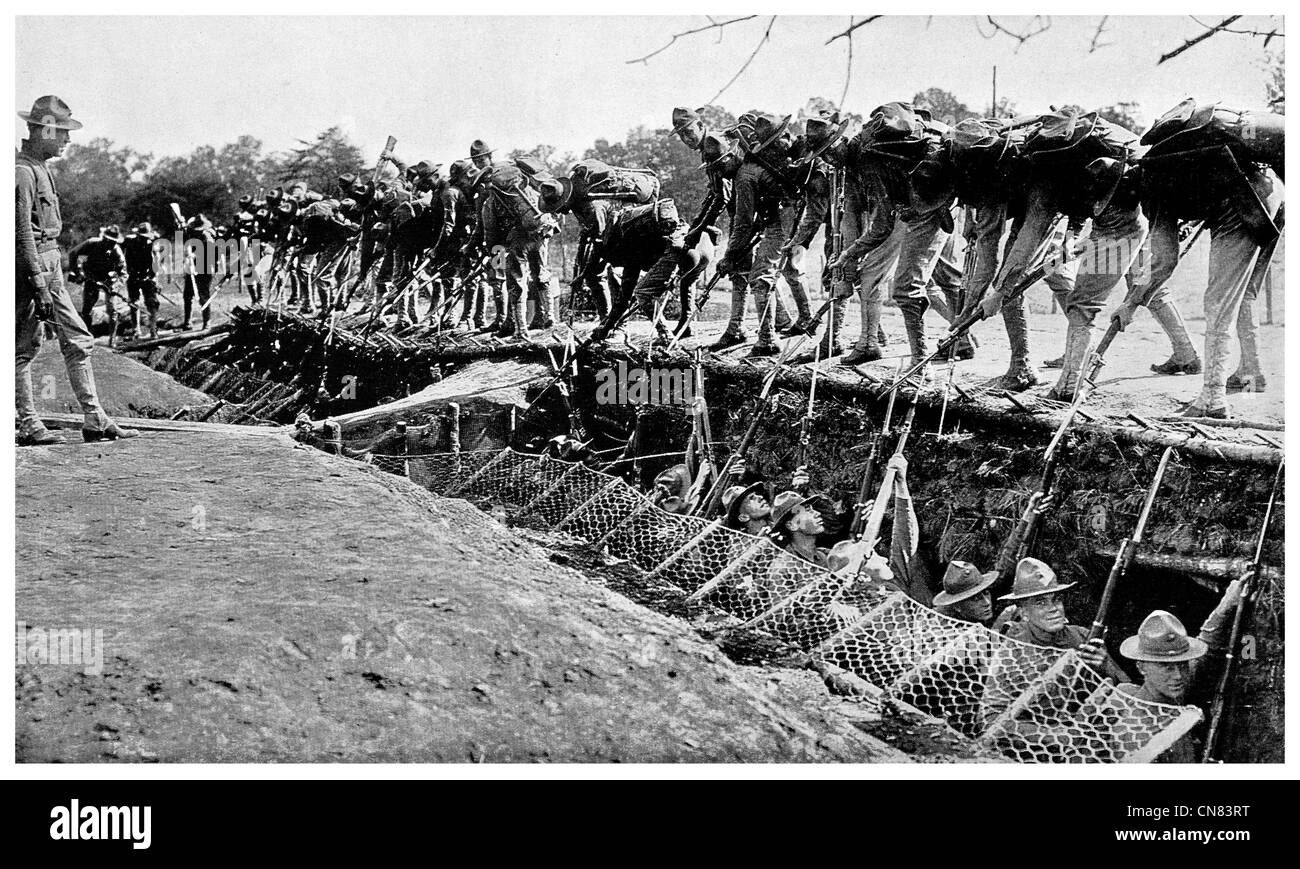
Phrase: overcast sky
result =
(166, 85)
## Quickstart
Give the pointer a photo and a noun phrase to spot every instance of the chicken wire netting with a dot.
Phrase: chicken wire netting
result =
(1032, 704)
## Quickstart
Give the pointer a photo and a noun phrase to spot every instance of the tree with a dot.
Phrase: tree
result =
(943, 106)
(1126, 114)
(94, 180)
(1275, 87)
(321, 162)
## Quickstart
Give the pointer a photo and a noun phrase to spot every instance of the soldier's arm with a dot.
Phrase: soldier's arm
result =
(906, 534)
(119, 260)
(1040, 218)
(1162, 246)
(29, 261)
(878, 229)
(742, 225)
(817, 198)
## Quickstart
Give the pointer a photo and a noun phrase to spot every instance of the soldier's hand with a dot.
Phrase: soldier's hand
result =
(837, 262)
(1232, 594)
(693, 237)
(1092, 653)
(991, 304)
(899, 464)
(725, 266)
(1124, 315)
(44, 303)
(800, 478)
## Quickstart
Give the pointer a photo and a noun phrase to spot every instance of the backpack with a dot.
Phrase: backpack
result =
(1252, 137)
(594, 179)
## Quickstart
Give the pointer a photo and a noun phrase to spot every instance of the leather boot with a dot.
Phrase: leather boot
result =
(1020, 376)
(913, 311)
(516, 314)
(830, 341)
(1184, 359)
(868, 347)
(187, 307)
(1078, 343)
(542, 316)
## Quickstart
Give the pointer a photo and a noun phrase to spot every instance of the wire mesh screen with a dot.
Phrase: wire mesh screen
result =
(1030, 703)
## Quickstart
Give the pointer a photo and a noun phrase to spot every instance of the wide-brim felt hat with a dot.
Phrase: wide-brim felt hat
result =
(784, 504)
(683, 118)
(1105, 175)
(145, 228)
(1162, 639)
(713, 147)
(112, 233)
(479, 148)
(962, 581)
(1034, 579)
(555, 194)
(733, 508)
(767, 129)
(50, 111)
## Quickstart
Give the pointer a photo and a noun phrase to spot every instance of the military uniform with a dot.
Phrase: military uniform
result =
(40, 283)
(100, 260)
(512, 220)
(1239, 197)
(141, 280)
(761, 224)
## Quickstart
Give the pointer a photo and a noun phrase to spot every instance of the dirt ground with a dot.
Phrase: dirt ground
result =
(126, 387)
(1126, 384)
(266, 602)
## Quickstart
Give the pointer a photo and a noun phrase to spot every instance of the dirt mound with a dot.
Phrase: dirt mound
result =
(126, 387)
(264, 603)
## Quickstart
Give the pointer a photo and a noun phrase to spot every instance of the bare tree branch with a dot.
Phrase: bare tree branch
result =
(766, 35)
(1040, 24)
(1195, 40)
(1267, 34)
(848, 69)
(852, 27)
(718, 25)
(1101, 28)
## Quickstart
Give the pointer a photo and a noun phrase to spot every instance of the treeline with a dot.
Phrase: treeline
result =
(101, 182)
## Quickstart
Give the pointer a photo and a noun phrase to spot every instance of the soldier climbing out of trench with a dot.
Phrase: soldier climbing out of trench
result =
(1172, 664)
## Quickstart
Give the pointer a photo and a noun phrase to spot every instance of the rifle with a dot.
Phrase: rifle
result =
(969, 261)
(864, 540)
(1124, 557)
(1224, 691)
(805, 424)
(384, 155)
(869, 471)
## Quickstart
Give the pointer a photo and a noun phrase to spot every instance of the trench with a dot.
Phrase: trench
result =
(969, 485)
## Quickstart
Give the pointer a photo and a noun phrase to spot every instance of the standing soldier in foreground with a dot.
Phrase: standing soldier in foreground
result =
(40, 294)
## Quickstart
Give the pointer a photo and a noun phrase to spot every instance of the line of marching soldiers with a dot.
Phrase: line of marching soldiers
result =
(1065, 188)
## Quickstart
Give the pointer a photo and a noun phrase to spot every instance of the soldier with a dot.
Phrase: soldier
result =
(1172, 664)
(246, 236)
(1037, 594)
(200, 256)
(480, 154)
(821, 134)
(905, 225)
(1063, 153)
(671, 490)
(1237, 159)
(325, 235)
(98, 262)
(748, 508)
(965, 594)
(41, 296)
(141, 282)
(795, 525)
(762, 189)
(512, 219)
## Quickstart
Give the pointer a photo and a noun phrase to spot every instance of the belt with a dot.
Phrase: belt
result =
(46, 246)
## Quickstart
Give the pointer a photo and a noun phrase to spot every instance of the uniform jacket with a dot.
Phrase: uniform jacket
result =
(101, 257)
(38, 219)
